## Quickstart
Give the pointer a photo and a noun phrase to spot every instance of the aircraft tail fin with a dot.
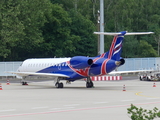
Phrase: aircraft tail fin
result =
(116, 46)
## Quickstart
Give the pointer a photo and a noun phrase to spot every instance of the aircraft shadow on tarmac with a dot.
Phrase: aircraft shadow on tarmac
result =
(80, 87)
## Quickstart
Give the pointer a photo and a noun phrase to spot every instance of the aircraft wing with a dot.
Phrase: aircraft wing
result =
(39, 74)
(134, 71)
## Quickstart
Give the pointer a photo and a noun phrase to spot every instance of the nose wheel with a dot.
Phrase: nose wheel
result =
(24, 83)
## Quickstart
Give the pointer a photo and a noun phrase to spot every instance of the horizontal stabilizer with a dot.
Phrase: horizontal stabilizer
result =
(107, 33)
(139, 33)
(119, 33)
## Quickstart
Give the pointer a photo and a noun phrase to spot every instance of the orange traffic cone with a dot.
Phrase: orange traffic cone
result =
(8, 82)
(154, 85)
(1, 87)
(124, 88)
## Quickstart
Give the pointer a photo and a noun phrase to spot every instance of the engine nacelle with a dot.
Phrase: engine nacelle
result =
(122, 61)
(80, 62)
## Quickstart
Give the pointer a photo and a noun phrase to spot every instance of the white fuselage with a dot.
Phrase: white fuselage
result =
(34, 65)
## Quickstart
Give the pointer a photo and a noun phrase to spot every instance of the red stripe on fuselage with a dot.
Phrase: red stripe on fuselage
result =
(103, 67)
(82, 72)
(102, 56)
(112, 47)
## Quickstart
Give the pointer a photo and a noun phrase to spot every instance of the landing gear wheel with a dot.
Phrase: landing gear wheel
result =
(24, 83)
(59, 85)
(89, 84)
(140, 78)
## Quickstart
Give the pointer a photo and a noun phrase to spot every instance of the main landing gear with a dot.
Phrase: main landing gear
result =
(59, 84)
(89, 83)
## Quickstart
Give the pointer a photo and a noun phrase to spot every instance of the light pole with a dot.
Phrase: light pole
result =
(98, 29)
(101, 26)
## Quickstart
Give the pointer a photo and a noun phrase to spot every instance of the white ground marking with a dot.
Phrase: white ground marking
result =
(72, 105)
(127, 100)
(152, 98)
(7, 110)
(40, 107)
(100, 102)
(62, 108)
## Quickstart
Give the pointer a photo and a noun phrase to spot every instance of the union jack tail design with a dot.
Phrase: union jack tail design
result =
(116, 46)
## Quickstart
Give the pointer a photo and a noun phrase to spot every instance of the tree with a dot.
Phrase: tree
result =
(83, 28)
(143, 114)
(32, 15)
(130, 47)
(41, 28)
(21, 23)
(133, 16)
(10, 27)
(58, 40)
(146, 50)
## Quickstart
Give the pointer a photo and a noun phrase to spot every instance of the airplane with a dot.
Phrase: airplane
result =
(77, 67)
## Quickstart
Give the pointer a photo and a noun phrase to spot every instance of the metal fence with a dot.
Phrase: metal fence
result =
(140, 64)
(8, 66)
(130, 64)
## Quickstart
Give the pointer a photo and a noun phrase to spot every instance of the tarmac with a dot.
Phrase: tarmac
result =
(107, 100)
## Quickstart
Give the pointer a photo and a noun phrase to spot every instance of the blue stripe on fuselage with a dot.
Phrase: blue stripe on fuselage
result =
(95, 69)
(62, 68)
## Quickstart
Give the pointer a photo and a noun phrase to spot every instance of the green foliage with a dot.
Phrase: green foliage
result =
(11, 29)
(130, 47)
(57, 33)
(47, 28)
(143, 114)
(146, 49)
(83, 28)
(133, 15)
(33, 18)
